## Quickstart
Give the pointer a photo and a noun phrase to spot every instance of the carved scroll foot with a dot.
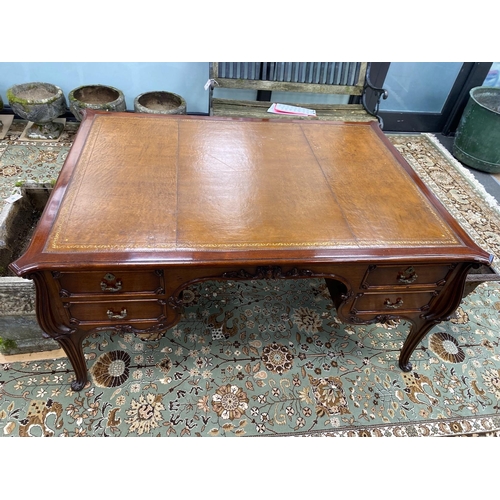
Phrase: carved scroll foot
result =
(72, 346)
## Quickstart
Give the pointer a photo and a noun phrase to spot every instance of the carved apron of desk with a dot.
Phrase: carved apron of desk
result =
(72, 305)
(424, 305)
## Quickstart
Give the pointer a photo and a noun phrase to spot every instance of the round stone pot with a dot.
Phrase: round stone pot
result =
(160, 102)
(39, 103)
(99, 97)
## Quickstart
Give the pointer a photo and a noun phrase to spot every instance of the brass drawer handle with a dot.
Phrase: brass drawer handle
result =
(393, 305)
(112, 315)
(407, 276)
(109, 283)
(106, 288)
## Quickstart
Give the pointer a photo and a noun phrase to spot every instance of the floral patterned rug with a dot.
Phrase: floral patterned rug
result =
(270, 358)
(39, 161)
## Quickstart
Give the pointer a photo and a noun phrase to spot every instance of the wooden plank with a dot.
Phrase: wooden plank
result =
(256, 109)
(316, 88)
(214, 70)
(362, 75)
(266, 104)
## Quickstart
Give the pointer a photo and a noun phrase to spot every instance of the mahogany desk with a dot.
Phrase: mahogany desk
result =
(146, 205)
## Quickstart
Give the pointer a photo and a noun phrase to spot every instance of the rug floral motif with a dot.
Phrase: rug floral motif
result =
(23, 160)
(476, 211)
(270, 358)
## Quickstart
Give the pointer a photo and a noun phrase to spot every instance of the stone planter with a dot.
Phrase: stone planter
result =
(99, 97)
(160, 102)
(17, 295)
(39, 103)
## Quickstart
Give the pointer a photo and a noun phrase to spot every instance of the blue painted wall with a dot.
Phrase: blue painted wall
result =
(184, 78)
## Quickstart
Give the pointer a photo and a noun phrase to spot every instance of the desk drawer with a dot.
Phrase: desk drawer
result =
(390, 302)
(123, 311)
(409, 275)
(110, 282)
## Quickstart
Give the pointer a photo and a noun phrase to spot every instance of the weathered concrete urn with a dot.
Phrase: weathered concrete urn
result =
(99, 97)
(39, 103)
(160, 102)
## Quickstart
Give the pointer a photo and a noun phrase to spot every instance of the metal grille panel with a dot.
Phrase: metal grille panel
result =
(330, 73)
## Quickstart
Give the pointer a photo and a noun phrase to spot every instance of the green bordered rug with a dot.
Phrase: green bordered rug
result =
(270, 358)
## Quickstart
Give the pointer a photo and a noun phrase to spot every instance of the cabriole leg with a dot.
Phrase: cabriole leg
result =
(419, 329)
(72, 346)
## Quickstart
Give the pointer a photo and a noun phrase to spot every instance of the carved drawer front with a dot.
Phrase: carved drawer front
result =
(405, 275)
(124, 311)
(392, 303)
(110, 282)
